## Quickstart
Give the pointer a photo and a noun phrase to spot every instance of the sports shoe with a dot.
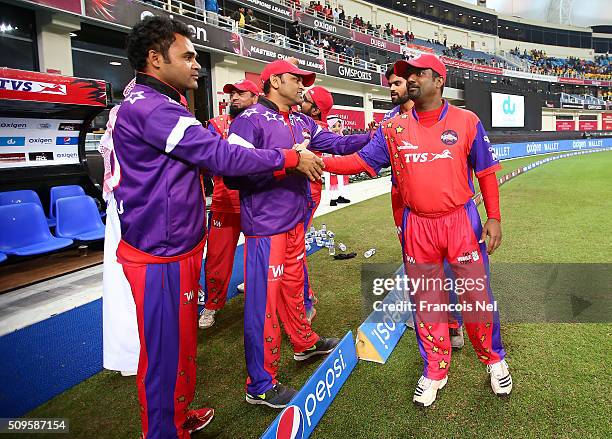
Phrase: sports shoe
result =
(427, 390)
(201, 297)
(342, 200)
(456, 337)
(128, 373)
(322, 347)
(310, 314)
(277, 397)
(333, 203)
(501, 380)
(198, 419)
(240, 288)
(207, 318)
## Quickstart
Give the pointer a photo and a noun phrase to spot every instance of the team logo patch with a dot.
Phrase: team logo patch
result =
(449, 137)
(290, 424)
(306, 134)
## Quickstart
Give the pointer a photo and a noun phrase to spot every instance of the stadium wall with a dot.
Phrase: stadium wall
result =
(554, 51)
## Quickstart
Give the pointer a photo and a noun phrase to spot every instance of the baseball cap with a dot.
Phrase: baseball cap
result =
(242, 85)
(281, 66)
(323, 100)
(422, 61)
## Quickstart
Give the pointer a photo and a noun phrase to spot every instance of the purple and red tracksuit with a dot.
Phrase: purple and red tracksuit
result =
(160, 150)
(433, 167)
(273, 207)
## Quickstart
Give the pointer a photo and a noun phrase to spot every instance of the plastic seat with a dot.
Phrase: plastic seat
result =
(24, 231)
(2, 257)
(57, 192)
(23, 196)
(78, 218)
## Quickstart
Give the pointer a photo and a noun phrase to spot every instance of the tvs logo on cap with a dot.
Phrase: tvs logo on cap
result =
(449, 137)
(290, 424)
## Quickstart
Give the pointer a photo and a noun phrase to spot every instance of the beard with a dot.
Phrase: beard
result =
(235, 111)
(415, 93)
(400, 99)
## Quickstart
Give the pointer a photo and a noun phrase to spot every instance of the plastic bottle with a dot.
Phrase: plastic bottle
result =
(331, 246)
(342, 247)
(369, 253)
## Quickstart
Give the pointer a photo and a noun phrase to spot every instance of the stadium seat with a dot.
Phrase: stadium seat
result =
(78, 218)
(2, 257)
(23, 196)
(24, 231)
(57, 192)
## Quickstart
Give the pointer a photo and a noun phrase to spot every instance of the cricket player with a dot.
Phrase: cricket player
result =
(434, 150)
(273, 207)
(224, 219)
(317, 104)
(160, 151)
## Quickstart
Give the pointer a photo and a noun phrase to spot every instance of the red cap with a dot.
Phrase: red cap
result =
(242, 85)
(322, 99)
(422, 61)
(281, 66)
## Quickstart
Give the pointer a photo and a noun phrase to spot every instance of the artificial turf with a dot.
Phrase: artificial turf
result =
(559, 212)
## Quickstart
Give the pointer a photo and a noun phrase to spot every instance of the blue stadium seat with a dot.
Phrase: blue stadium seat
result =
(57, 192)
(2, 257)
(78, 218)
(23, 196)
(24, 231)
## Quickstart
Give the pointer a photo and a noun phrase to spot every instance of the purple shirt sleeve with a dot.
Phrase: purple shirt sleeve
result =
(173, 130)
(481, 156)
(328, 142)
(376, 152)
(245, 134)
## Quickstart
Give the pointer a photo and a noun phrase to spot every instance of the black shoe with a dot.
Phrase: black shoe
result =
(277, 397)
(322, 347)
(342, 200)
(333, 203)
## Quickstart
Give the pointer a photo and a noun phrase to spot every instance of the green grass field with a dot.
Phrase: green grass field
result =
(560, 212)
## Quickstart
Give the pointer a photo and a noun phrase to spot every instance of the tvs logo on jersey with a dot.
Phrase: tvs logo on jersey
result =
(449, 137)
(291, 424)
(426, 157)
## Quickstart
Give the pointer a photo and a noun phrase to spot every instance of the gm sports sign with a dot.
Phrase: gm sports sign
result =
(299, 419)
(513, 150)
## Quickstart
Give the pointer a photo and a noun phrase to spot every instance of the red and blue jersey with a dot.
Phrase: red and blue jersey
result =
(433, 166)
(271, 203)
(161, 149)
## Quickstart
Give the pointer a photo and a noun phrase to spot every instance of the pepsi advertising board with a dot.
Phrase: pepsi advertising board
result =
(38, 142)
(299, 419)
(507, 111)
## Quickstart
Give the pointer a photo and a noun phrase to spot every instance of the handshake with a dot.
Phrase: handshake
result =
(309, 165)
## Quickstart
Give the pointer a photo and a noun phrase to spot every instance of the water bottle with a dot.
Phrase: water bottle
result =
(319, 241)
(323, 228)
(308, 247)
(312, 231)
(331, 246)
(342, 247)
(368, 254)
(330, 234)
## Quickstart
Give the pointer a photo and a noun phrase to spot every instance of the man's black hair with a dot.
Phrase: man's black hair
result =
(153, 33)
(390, 71)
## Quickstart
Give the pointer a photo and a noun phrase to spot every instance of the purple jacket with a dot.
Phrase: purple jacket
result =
(161, 149)
(270, 204)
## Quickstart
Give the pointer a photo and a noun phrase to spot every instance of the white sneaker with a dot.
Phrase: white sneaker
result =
(201, 297)
(128, 373)
(240, 288)
(501, 380)
(427, 390)
(207, 318)
(456, 338)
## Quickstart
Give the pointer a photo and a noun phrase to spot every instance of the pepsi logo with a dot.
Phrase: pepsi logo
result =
(290, 424)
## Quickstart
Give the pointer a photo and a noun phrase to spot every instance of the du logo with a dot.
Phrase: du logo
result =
(508, 106)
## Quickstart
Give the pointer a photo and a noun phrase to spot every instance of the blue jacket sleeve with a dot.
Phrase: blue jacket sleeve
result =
(376, 153)
(328, 142)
